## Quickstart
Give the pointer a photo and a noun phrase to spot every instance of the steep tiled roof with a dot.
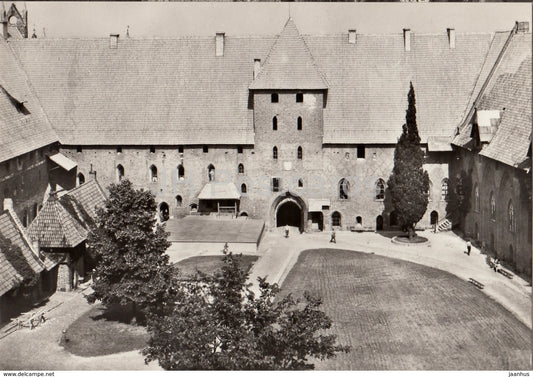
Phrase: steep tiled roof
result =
(23, 124)
(176, 91)
(289, 64)
(11, 236)
(9, 277)
(147, 91)
(508, 91)
(65, 222)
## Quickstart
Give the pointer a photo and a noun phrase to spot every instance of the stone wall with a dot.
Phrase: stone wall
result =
(490, 225)
(25, 180)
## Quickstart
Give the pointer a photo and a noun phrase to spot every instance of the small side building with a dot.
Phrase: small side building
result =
(60, 230)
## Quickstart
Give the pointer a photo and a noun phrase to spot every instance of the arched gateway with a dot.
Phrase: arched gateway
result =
(289, 209)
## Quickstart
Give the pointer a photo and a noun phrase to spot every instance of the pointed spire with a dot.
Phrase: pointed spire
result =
(289, 64)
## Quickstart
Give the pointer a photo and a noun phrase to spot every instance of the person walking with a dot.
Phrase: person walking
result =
(333, 237)
(468, 247)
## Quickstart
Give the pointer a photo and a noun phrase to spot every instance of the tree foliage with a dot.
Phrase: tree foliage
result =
(216, 323)
(409, 182)
(132, 267)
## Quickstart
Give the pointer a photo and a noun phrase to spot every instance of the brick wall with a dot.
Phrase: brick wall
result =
(491, 228)
(25, 180)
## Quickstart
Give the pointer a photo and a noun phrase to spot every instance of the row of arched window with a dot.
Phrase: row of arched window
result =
(344, 188)
(299, 153)
(299, 123)
(511, 222)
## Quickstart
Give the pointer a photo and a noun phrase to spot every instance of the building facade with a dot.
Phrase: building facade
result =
(301, 127)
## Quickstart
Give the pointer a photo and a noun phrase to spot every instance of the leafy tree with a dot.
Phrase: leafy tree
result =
(132, 267)
(409, 182)
(216, 323)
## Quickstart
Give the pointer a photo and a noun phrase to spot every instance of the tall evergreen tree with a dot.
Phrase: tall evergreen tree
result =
(409, 182)
(132, 267)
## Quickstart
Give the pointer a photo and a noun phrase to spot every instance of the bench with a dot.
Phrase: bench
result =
(505, 273)
(476, 283)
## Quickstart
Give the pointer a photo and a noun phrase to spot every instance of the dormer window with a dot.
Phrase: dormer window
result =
(274, 98)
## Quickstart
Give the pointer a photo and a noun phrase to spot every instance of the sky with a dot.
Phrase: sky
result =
(148, 19)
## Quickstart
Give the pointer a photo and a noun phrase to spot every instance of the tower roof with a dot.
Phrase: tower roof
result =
(289, 64)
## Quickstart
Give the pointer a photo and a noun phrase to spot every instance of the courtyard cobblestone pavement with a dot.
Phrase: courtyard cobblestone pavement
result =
(39, 349)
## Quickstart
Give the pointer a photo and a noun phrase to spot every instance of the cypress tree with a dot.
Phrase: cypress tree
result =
(409, 182)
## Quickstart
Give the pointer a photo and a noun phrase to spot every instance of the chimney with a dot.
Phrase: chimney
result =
(352, 36)
(8, 204)
(92, 172)
(257, 67)
(451, 37)
(113, 40)
(407, 39)
(219, 48)
(522, 27)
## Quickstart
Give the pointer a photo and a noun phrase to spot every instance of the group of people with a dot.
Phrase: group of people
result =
(494, 263)
(333, 238)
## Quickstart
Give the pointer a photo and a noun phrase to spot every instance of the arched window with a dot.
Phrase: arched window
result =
(181, 172)
(25, 218)
(492, 205)
(243, 188)
(275, 153)
(300, 123)
(336, 219)
(300, 153)
(211, 173)
(476, 197)
(510, 216)
(380, 189)
(344, 188)
(359, 220)
(300, 183)
(81, 179)
(430, 190)
(179, 200)
(275, 123)
(444, 189)
(120, 172)
(153, 173)
(241, 169)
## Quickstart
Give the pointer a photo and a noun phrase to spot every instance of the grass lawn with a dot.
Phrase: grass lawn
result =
(399, 315)
(103, 332)
(209, 264)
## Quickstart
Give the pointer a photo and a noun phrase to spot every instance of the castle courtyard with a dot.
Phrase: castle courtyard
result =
(443, 259)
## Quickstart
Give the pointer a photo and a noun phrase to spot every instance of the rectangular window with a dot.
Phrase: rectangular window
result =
(274, 98)
(152, 149)
(78, 149)
(299, 97)
(275, 184)
(205, 149)
(360, 151)
(180, 148)
(119, 149)
(239, 149)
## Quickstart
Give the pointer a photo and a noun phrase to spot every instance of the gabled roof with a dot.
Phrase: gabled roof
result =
(15, 245)
(507, 92)
(24, 126)
(176, 91)
(289, 64)
(65, 222)
(9, 277)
